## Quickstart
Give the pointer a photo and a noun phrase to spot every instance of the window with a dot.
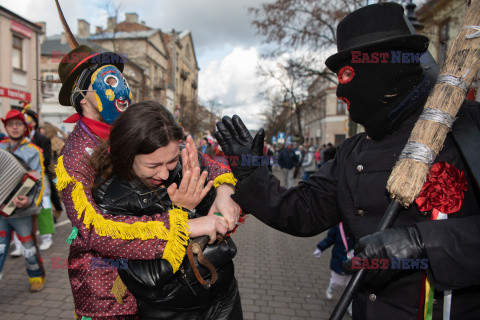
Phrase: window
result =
(341, 107)
(187, 51)
(442, 42)
(17, 53)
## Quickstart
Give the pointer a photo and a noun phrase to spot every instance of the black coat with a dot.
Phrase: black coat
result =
(150, 281)
(351, 188)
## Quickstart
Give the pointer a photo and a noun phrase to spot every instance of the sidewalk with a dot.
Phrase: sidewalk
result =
(277, 275)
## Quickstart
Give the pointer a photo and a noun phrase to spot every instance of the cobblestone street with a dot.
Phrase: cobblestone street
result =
(277, 274)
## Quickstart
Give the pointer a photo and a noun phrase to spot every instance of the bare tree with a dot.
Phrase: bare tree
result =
(277, 115)
(214, 106)
(113, 9)
(285, 78)
(308, 25)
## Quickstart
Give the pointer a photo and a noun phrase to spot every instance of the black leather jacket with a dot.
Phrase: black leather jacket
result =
(152, 282)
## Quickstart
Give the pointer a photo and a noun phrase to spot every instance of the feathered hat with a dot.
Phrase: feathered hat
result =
(76, 61)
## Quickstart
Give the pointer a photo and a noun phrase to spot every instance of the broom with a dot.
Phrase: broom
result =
(428, 135)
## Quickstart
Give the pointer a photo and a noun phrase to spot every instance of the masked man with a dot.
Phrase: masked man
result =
(94, 84)
(384, 88)
(23, 218)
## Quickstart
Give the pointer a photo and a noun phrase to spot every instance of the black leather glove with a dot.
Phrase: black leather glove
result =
(239, 146)
(399, 243)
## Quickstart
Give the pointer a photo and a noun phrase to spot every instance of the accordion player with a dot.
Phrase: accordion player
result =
(15, 180)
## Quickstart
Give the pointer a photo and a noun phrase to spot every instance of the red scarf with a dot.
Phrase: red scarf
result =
(100, 129)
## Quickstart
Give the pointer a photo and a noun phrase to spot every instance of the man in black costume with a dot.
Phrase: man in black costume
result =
(382, 83)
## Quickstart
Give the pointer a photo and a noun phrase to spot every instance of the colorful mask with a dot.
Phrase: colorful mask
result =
(111, 91)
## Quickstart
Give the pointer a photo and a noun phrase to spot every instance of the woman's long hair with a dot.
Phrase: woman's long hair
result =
(141, 129)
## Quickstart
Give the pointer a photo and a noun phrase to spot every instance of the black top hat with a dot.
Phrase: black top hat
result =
(78, 60)
(377, 26)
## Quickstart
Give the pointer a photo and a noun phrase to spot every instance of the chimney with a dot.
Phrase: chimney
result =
(98, 30)
(131, 17)
(111, 23)
(63, 38)
(143, 22)
(43, 25)
(83, 29)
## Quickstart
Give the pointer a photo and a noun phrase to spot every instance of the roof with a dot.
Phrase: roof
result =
(125, 35)
(54, 44)
(131, 26)
(16, 16)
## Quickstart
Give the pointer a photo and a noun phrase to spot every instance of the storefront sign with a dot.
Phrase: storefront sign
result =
(15, 94)
(20, 28)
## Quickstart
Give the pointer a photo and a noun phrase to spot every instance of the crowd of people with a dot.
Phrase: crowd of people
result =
(136, 188)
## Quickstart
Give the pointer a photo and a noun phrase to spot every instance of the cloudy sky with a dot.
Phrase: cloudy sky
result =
(226, 45)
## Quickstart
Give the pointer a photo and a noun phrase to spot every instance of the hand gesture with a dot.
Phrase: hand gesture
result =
(192, 189)
(189, 156)
(236, 141)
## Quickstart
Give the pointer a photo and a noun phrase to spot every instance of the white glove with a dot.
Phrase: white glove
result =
(317, 253)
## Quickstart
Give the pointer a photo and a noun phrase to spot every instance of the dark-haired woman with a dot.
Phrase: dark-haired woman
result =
(142, 170)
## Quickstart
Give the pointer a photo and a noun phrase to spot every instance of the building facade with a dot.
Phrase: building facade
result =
(326, 120)
(19, 62)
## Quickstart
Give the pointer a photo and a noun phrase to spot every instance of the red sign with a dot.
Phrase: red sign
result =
(20, 28)
(15, 94)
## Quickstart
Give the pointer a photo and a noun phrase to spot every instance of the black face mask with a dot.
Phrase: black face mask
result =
(372, 90)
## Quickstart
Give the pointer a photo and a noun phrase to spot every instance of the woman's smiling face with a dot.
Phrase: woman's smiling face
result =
(154, 168)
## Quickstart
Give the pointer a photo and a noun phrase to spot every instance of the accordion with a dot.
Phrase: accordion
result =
(15, 180)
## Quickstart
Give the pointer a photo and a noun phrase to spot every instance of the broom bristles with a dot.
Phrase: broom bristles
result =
(463, 61)
(406, 180)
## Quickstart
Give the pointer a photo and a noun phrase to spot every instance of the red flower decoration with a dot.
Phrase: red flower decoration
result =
(444, 189)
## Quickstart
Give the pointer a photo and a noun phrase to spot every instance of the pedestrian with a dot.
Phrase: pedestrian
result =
(341, 251)
(308, 164)
(387, 99)
(329, 153)
(318, 158)
(88, 85)
(152, 167)
(23, 219)
(287, 161)
(50, 195)
(206, 148)
(322, 153)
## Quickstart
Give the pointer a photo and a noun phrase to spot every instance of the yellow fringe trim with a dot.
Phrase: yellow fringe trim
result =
(175, 250)
(227, 178)
(177, 237)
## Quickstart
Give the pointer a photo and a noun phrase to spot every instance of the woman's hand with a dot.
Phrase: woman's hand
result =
(191, 190)
(224, 204)
(189, 156)
(208, 225)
